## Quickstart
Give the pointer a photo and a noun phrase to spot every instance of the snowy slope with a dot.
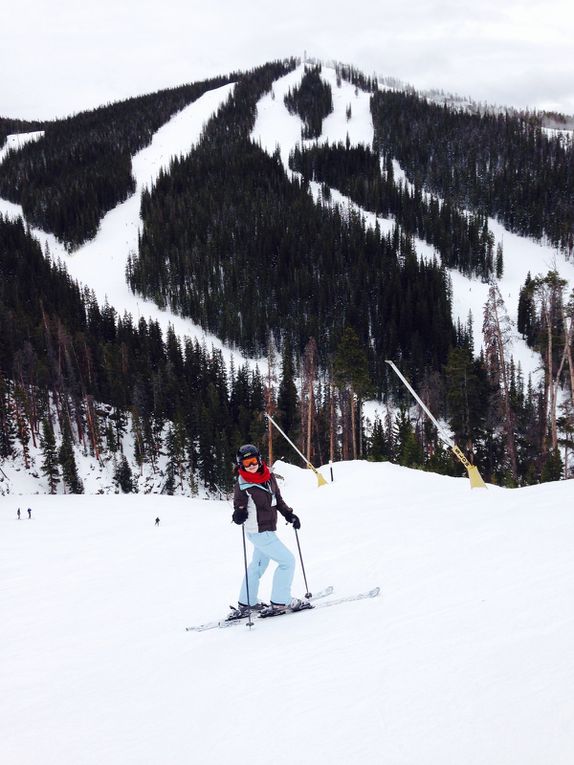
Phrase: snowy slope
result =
(276, 127)
(465, 659)
(16, 141)
(100, 263)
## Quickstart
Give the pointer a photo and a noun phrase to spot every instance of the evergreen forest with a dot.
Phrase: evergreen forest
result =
(501, 164)
(463, 241)
(81, 168)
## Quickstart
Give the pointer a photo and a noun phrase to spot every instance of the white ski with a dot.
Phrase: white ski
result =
(375, 592)
(222, 623)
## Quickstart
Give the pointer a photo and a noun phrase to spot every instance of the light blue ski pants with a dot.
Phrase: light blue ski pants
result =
(267, 546)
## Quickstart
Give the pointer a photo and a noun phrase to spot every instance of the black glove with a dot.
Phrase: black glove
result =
(292, 518)
(240, 515)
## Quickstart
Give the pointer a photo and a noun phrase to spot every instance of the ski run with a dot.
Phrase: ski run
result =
(465, 659)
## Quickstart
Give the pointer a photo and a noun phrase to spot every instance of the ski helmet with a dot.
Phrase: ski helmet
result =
(245, 451)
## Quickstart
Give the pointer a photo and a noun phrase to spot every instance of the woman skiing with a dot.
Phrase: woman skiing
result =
(256, 502)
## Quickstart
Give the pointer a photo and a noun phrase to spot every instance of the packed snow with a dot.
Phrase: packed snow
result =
(465, 658)
(16, 141)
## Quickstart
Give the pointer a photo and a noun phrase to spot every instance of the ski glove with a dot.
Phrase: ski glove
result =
(292, 518)
(239, 516)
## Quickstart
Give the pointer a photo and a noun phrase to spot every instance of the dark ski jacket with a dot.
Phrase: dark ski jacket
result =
(262, 501)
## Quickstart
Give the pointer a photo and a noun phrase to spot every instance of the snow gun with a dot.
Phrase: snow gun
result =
(320, 480)
(476, 481)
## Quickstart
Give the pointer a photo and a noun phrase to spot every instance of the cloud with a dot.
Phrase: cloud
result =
(65, 56)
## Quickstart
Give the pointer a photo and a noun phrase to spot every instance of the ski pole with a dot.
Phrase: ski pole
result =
(307, 594)
(249, 622)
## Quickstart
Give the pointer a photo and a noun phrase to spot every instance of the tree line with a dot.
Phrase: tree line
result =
(503, 165)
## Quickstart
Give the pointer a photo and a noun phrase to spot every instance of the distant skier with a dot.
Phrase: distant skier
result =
(256, 502)
(157, 521)
(29, 512)
(18, 513)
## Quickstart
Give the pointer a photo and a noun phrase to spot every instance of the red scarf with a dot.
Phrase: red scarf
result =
(262, 475)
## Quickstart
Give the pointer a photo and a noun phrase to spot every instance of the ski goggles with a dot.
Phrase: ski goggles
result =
(248, 461)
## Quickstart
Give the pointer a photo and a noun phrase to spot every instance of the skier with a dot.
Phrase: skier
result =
(256, 502)
(157, 521)
(18, 513)
(29, 512)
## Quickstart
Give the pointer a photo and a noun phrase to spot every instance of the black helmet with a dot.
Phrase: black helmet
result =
(245, 451)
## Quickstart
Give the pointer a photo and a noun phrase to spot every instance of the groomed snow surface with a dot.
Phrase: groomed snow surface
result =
(466, 659)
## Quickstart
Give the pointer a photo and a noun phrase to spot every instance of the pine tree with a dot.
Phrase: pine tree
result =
(467, 398)
(68, 462)
(123, 476)
(526, 318)
(552, 468)
(351, 374)
(378, 443)
(409, 449)
(175, 448)
(287, 398)
(50, 462)
(7, 429)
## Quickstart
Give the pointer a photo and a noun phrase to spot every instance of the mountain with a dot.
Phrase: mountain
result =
(289, 213)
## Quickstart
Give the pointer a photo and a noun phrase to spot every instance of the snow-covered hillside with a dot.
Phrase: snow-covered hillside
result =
(100, 264)
(276, 127)
(466, 657)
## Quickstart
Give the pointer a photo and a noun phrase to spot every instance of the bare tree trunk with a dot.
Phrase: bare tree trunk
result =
(568, 333)
(508, 413)
(22, 432)
(92, 425)
(332, 424)
(309, 377)
(353, 423)
(551, 384)
(550, 291)
(309, 423)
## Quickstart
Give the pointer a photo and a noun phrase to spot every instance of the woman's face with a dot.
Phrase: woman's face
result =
(251, 464)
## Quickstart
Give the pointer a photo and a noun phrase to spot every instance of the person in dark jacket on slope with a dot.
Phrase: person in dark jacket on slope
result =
(256, 501)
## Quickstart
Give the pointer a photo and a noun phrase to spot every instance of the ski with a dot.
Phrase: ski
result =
(374, 593)
(222, 623)
(337, 602)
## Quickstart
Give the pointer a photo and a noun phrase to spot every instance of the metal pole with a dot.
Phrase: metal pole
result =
(476, 481)
(249, 622)
(441, 432)
(320, 478)
(307, 594)
(286, 437)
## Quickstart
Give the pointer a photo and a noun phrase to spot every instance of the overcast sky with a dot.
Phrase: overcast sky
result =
(61, 56)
